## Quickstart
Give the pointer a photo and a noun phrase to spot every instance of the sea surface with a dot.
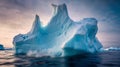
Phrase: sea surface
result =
(103, 59)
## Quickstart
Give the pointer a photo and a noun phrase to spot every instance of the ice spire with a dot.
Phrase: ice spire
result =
(36, 25)
(59, 17)
(60, 9)
(55, 9)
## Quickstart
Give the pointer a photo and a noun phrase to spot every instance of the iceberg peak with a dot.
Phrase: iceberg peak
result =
(91, 21)
(36, 25)
(60, 9)
(37, 18)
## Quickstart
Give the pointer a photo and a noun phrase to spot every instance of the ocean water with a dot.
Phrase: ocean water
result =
(103, 59)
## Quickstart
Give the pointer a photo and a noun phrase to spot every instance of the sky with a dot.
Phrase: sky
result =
(17, 16)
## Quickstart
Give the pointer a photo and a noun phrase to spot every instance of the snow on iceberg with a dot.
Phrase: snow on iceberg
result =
(59, 35)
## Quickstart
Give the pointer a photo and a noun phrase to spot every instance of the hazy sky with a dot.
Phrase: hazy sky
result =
(17, 16)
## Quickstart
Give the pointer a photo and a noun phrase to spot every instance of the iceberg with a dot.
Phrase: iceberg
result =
(59, 35)
(112, 49)
(1, 47)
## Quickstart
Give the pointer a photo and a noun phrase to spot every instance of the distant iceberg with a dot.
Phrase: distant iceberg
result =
(62, 36)
(1, 47)
(112, 49)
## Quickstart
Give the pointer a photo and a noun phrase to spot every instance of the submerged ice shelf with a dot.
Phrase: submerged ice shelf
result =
(60, 36)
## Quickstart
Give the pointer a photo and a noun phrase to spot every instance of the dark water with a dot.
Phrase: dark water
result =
(104, 59)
